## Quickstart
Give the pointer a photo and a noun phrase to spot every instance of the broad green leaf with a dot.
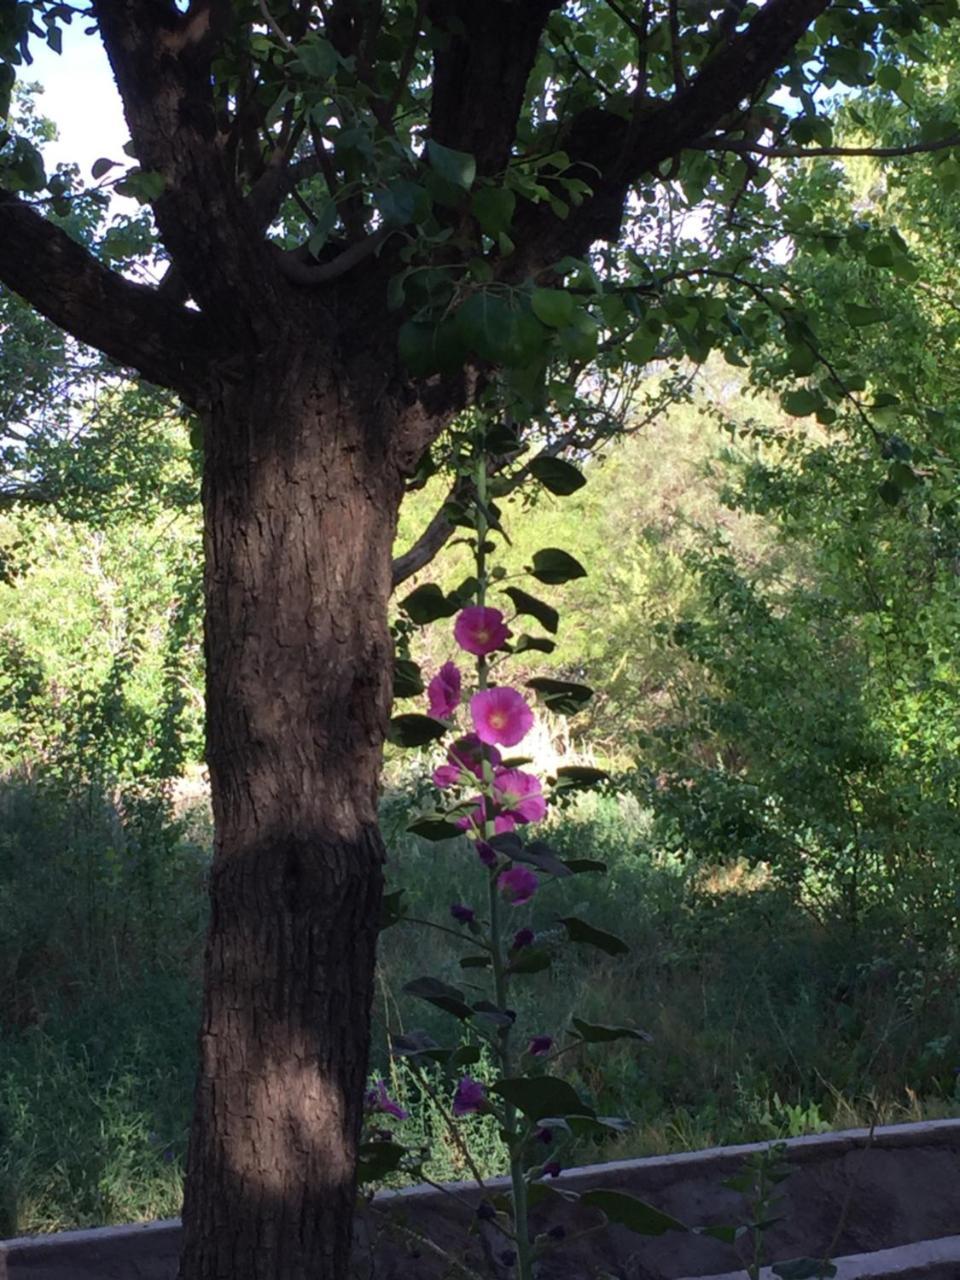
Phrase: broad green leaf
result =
(595, 1033)
(427, 348)
(562, 696)
(431, 826)
(441, 994)
(800, 403)
(580, 931)
(554, 307)
(102, 166)
(493, 208)
(391, 908)
(407, 681)
(375, 1160)
(531, 607)
(554, 566)
(524, 643)
(860, 315)
(456, 167)
(412, 730)
(542, 1096)
(628, 1211)
(581, 775)
(557, 475)
(427, 603)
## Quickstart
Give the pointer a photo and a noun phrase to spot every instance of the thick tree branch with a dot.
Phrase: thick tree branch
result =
(131, 323)
(596, 138)
(481, 71)
(161, 62)
(742, 146)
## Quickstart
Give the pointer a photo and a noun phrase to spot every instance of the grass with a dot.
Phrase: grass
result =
(765, 1023)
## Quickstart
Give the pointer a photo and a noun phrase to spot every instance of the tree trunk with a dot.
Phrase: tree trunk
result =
(300, 505)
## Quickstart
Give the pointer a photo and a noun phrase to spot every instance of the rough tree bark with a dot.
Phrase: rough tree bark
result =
(300, 505)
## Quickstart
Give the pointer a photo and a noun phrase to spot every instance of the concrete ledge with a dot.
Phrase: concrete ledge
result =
(901, 1187)
(928, 1260)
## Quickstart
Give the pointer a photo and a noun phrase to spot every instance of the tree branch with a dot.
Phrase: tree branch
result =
(131, 323)
(745, 147)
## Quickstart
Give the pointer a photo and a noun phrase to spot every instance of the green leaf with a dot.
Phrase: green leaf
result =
(561, 695)
(581, 865)
(375, 1160)
(531, 607)
(407, 681)
(579, 931)
(434, 826)
(531, 960)
(493, 208)
(628, 1211)
(557, 475)
(316, 58)
(596, 1033)
(542, 1096)
(440, 994)
(456, 167)
(581, 775)
(800, 403)
(859, 315)
(524, 643)
(554, 566)
(554, 307)
(641, 346)
(102, 166)
(391, 908)
(426, 347)
(412, 730)
(428, 603)
(144, 186)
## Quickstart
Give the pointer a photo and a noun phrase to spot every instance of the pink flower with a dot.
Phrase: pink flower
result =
(470, 1096)
(480, 630)
(500, 715)
(446, 775)
(518, 885)
(377, 1099)
(474, 820)
(467, 753)
(519, 794)
(540, 1045)
(444, 692)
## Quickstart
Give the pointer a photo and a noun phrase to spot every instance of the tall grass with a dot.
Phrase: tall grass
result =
(765, 1023)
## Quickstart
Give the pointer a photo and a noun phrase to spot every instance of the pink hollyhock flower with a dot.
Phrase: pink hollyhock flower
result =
(540, 1045)
(480, 630)
(470, 1096)
(518, 885)
(467, 753)
(377, 1099)
(444, 692)
(519, 794)
(446, 775)
(501, 715)
(474, 820)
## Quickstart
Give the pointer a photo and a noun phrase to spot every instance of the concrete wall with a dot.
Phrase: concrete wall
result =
(849, 1194)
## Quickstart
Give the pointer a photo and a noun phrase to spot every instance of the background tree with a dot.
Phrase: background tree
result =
(451, 167)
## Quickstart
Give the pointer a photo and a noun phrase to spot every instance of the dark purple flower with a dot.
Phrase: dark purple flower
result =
(486, 853)
(551, 1170)
(508, 1257)
(545, 1136)
(518, 885)
(443, 692)
(557, 1232)
(377, 1099)
(471, 1096)
(446, 775)
(462, 913)
(485, 1211)
(540, 1045)
(522, 938)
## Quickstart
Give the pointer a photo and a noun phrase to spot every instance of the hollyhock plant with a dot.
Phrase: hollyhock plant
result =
(486, 853)
(540, 1045)
(480, 630)
(462, 913)
(519, 794)
(518, 885)
(522, 938)
(446, 775)
(443, 692)
(479, 815)
(467, 754)
(501, 715)
(470, 1096)
(377, 1099)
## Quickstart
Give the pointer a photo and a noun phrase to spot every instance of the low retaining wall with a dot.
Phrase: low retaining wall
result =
(852, 1195)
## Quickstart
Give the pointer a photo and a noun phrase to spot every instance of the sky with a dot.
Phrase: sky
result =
(80, 97)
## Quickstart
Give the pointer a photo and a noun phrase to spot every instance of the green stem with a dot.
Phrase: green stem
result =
(500, 976)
